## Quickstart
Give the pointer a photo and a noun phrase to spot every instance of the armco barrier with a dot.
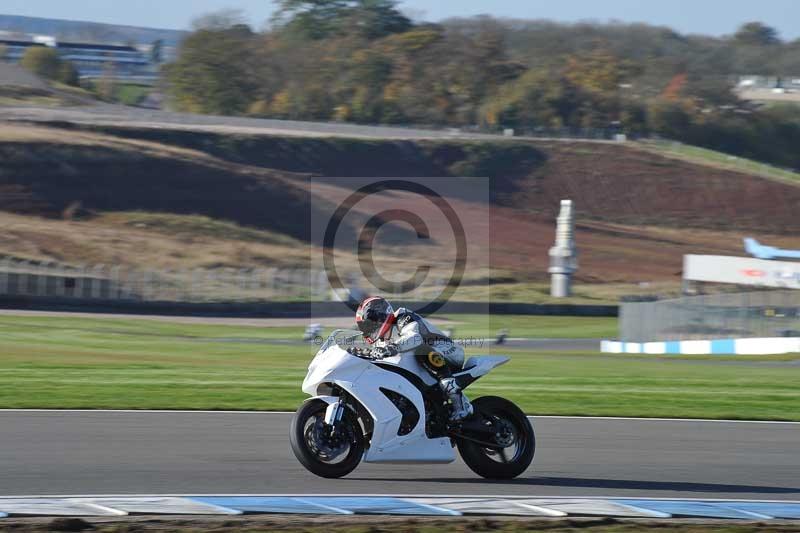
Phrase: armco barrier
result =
(765, 346)
(653, 509)
(280, 309)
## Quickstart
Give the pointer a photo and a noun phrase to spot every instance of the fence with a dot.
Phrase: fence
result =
(719, 316)
(110, 282)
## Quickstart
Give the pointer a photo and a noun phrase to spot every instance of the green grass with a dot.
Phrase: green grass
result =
(196, 226)
(139, 364)
(129, 94)
(535, 327)
(696, 154)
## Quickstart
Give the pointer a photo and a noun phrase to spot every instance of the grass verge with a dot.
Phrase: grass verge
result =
(380, 524)
(136, 364)
(704, 156)
(535, 327)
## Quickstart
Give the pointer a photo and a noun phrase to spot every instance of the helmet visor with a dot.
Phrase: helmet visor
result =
(369, 328)
(373, 317)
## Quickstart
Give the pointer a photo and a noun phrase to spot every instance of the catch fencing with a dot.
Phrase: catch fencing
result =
(718, 316)
(226, 285)
(111, 282)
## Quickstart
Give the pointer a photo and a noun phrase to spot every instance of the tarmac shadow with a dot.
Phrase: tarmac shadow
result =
(619, 484)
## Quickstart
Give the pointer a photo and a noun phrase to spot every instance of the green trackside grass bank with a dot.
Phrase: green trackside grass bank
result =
(142, 364)
(534, 327)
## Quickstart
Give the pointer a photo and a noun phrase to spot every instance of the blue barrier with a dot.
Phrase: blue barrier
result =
(764, 346)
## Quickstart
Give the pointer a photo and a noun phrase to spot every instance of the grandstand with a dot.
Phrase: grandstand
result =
(120, 62)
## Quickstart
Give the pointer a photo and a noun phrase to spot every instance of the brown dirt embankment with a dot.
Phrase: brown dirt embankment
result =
(638, 212)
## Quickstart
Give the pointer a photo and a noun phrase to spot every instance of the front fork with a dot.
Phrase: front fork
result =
(334, 413)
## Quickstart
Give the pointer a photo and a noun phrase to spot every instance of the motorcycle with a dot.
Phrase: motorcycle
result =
(393, 411)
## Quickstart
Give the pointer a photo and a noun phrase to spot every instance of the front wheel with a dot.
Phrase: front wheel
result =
(514, 443)
(322, 450)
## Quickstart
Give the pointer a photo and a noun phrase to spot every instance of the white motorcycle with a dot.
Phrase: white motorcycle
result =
(393, 411)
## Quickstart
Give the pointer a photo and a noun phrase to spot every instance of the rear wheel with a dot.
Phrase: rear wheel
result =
(512, 437)
(323, 451)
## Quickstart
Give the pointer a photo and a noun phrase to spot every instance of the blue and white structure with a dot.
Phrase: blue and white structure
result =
(15, 49)
(98, 60)
(92, 60)
(765, 346)
(530, 506)
(761, 251)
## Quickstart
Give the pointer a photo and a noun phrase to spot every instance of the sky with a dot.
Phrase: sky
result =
(714, 17)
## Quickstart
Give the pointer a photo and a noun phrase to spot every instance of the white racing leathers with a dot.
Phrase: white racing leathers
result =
(437, 353)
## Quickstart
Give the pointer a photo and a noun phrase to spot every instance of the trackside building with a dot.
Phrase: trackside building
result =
(91, 60)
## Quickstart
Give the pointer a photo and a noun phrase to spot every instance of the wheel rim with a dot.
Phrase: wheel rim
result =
(328, 448)
(509, 436)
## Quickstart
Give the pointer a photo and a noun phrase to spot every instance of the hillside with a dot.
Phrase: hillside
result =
(46, 171)
(614, 183)
(177, 199)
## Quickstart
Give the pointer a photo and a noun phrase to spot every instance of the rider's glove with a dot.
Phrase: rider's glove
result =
(382, 352)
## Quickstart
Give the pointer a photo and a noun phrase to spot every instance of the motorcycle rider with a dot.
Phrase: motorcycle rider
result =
(418, 337)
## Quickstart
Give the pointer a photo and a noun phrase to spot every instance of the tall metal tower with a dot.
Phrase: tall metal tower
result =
(563, 255)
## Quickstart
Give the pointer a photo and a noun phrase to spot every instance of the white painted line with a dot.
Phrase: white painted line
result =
(642, 510)
(402, 496)
(105, 509)
(492, 506)
(157, 505)
(323, 506)
(542, 510)
(553, 417)
(595, 507)
(758, 516)
(51, 506)
(431, 507)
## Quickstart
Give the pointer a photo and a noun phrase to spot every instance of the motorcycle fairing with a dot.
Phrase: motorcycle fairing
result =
(480, 365)
(363, 380)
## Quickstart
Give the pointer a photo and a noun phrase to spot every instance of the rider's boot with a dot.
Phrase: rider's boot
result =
(461, 407)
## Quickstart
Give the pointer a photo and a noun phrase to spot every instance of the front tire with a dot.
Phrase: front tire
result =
(512, 425)
(322, 453)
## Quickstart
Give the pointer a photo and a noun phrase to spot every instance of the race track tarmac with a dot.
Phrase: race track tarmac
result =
(81, 453)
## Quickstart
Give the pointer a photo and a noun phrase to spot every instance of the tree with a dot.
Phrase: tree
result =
(46, 63)
(670, 118)
(213, 74)
(374, 19)
(757, 34)
(598, 71)
(42, 61)
(106, 86)
(538, 99)
(157, 52)
(320, 19)
(219, 20)
(68, 74)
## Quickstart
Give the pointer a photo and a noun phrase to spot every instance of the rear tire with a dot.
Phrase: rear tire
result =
(493, 464)
(312, 444)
